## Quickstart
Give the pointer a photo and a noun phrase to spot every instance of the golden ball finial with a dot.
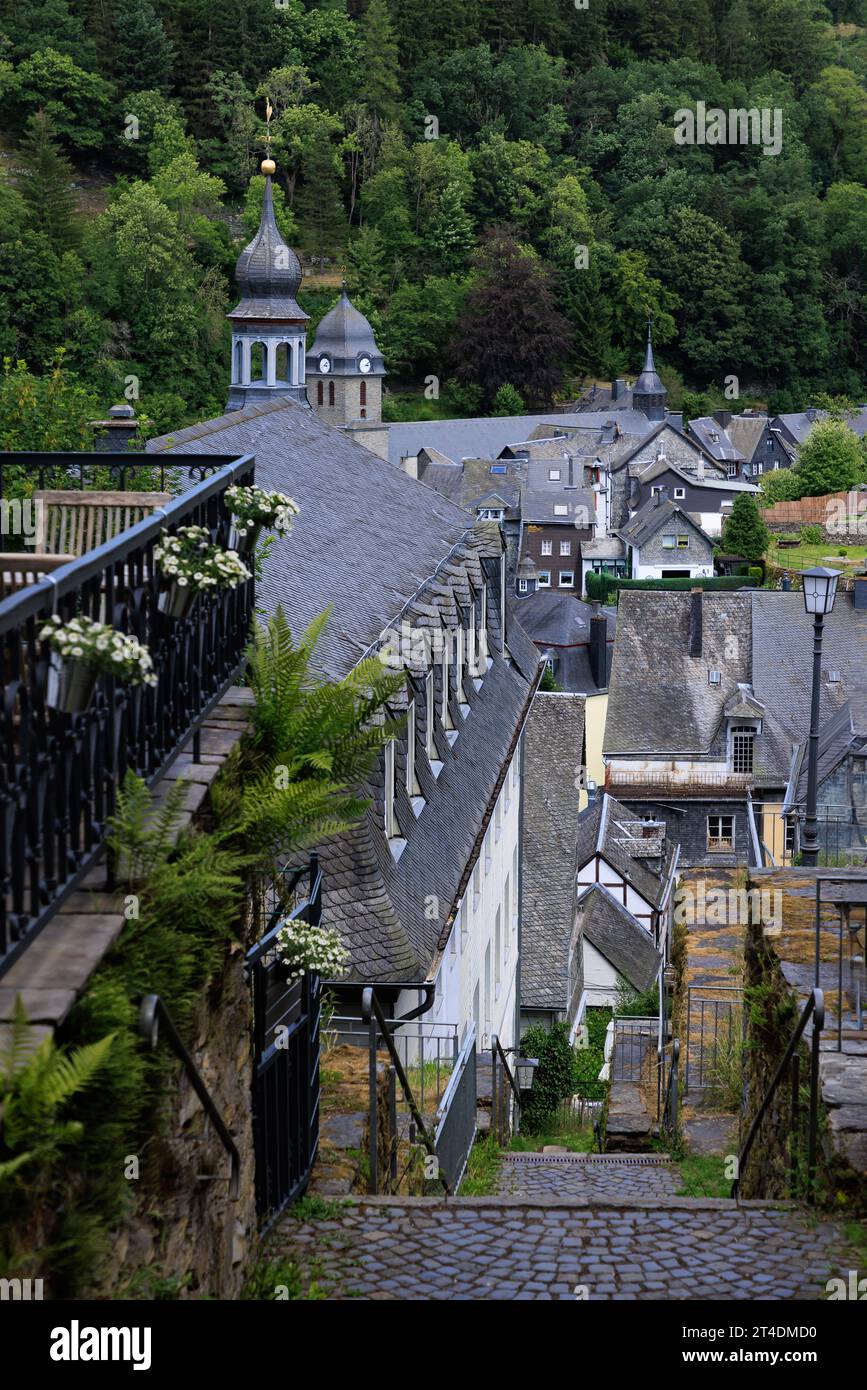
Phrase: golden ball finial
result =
(268, 166)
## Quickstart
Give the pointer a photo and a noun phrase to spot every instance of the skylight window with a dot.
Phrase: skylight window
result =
(499, 468)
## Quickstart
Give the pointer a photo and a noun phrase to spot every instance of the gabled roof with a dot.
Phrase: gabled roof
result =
(343, 336)
(746, 433)
(380, 548)
(618, 937)
(486, 437)
(742, 704)
(651, 517)
(553, 746)
(837, 738)
(714, 438)
(607, 828)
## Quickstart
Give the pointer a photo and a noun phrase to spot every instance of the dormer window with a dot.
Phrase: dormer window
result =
(390, 816)
(714, 677)
(743, 741)
(445, 712)
(413, 787)
(561, 509)
(553, 475)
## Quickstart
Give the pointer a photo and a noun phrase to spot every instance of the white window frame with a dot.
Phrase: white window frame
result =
(561, 509)
(669, 542)
(566, 579)
(522, 586)
(679, 494)
(391, 827)
(553, 475)
(544, 580)
(565, 548)
(547, 548)
(721, 843)
(743, 737)
(430, 706)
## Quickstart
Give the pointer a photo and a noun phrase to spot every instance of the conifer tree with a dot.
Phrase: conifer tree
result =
(45, 181)
(380, 88)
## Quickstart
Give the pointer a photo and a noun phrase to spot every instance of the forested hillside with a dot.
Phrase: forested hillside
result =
(456, 158)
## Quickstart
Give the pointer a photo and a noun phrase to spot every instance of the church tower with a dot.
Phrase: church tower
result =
(345, 368)
(648, 393)
(269, 334)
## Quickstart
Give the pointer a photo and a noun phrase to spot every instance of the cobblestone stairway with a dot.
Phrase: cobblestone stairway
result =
(567, 1227)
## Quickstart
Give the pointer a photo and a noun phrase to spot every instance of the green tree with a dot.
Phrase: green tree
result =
(76, 101)
(830, 459)
(508, 401)
(781, 485)
(141, 52)
(378, 61)
(44, 413)
(744, 532)
(451, 235)
(45, 180)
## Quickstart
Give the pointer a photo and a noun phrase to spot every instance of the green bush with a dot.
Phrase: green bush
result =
(811, 535)
(554, 1075)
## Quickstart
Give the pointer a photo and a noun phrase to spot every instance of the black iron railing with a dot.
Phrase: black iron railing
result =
(456, 1117)
(670, 1090)
(153, 1017)
(134, 471)
(286, 1032)
(380, 1030)
(59, 773)
(791, 1065)
(505, 1096)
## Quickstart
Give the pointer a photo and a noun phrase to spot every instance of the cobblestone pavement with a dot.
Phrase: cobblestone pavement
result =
(525, 1175)
(502, 1248)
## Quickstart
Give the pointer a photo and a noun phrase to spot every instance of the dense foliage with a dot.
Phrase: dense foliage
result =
(406, 136)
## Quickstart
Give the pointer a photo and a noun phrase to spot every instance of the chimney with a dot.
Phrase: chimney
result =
(859, 591)
(675, 419)
(660, 496)
(117, 434)
(695, 623)
(699, 467)
(599, 648)
(786, 584)
(618, 388)
(723, 417)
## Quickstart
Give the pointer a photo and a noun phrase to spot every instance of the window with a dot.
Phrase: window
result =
(720, 832)
(507, 909)
(363, 393)
(488, 849)
(549, 664)
(669, 542)
(412, 783)
(499, 468)
(733, 470)
(553, 475)
(560, 509)
(544, 579)
(444, 673)
(565, 547)
(477, 884)
(547, 547)
(679, 494)
(742, 749)
(331, 393)
(320, 394)
(714, 677)
(683, 541)
(790, 838)
(390, 817)
(567, 579)
(497, 951)
(490, 514)
(429, 745)
(522, 586)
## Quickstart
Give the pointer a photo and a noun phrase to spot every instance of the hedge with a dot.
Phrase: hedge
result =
(605, 586)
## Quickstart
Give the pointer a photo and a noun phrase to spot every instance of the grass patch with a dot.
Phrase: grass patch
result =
(576, 1141)
(483, 1167)
(703, 1176)
(281, 1281)
(315, 1208)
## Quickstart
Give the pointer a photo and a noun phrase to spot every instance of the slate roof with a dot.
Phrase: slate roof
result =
(714, 438)
(559, 624)
(619, 937)
(652, 517)
(553, 746)
(379, 546)
(745, 432)
(268, 273)
(343, 335)
(605, 827)
(660, 701)
(486, 437)
(469, 483)
(800, 423)
(837, 738)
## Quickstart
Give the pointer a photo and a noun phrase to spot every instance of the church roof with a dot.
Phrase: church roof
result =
(343, 336)
(649, 383)
(268, 272)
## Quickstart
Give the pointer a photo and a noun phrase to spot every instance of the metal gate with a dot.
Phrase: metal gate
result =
(714, 1029)
(286, 1017)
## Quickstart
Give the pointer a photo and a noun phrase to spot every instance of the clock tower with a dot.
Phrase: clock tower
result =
(345, 368)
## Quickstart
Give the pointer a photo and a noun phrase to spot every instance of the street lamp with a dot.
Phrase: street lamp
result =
(820, 589)
(525, 1071)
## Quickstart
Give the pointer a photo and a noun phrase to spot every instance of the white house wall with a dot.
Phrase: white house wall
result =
(600, 978)
(617, 886)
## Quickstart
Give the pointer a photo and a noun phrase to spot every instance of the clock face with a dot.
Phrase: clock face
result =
(324, 364)
(364, 364)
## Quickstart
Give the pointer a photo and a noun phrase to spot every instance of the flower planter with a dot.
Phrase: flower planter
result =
(177, 600)
(244, 543)
(71, 684)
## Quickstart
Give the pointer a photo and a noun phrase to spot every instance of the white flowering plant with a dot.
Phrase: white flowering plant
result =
(306, 948)
(102, 648)
(190, 559)
(253, 506)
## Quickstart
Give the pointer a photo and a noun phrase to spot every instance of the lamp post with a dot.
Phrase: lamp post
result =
(820, 588)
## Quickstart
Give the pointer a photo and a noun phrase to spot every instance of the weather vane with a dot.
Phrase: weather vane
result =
(268, 165)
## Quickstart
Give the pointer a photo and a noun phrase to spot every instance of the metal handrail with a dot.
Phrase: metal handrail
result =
(814, 1007)
(668, 1117)
(372, 1015)
(152, 1014)
(497, 1051)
